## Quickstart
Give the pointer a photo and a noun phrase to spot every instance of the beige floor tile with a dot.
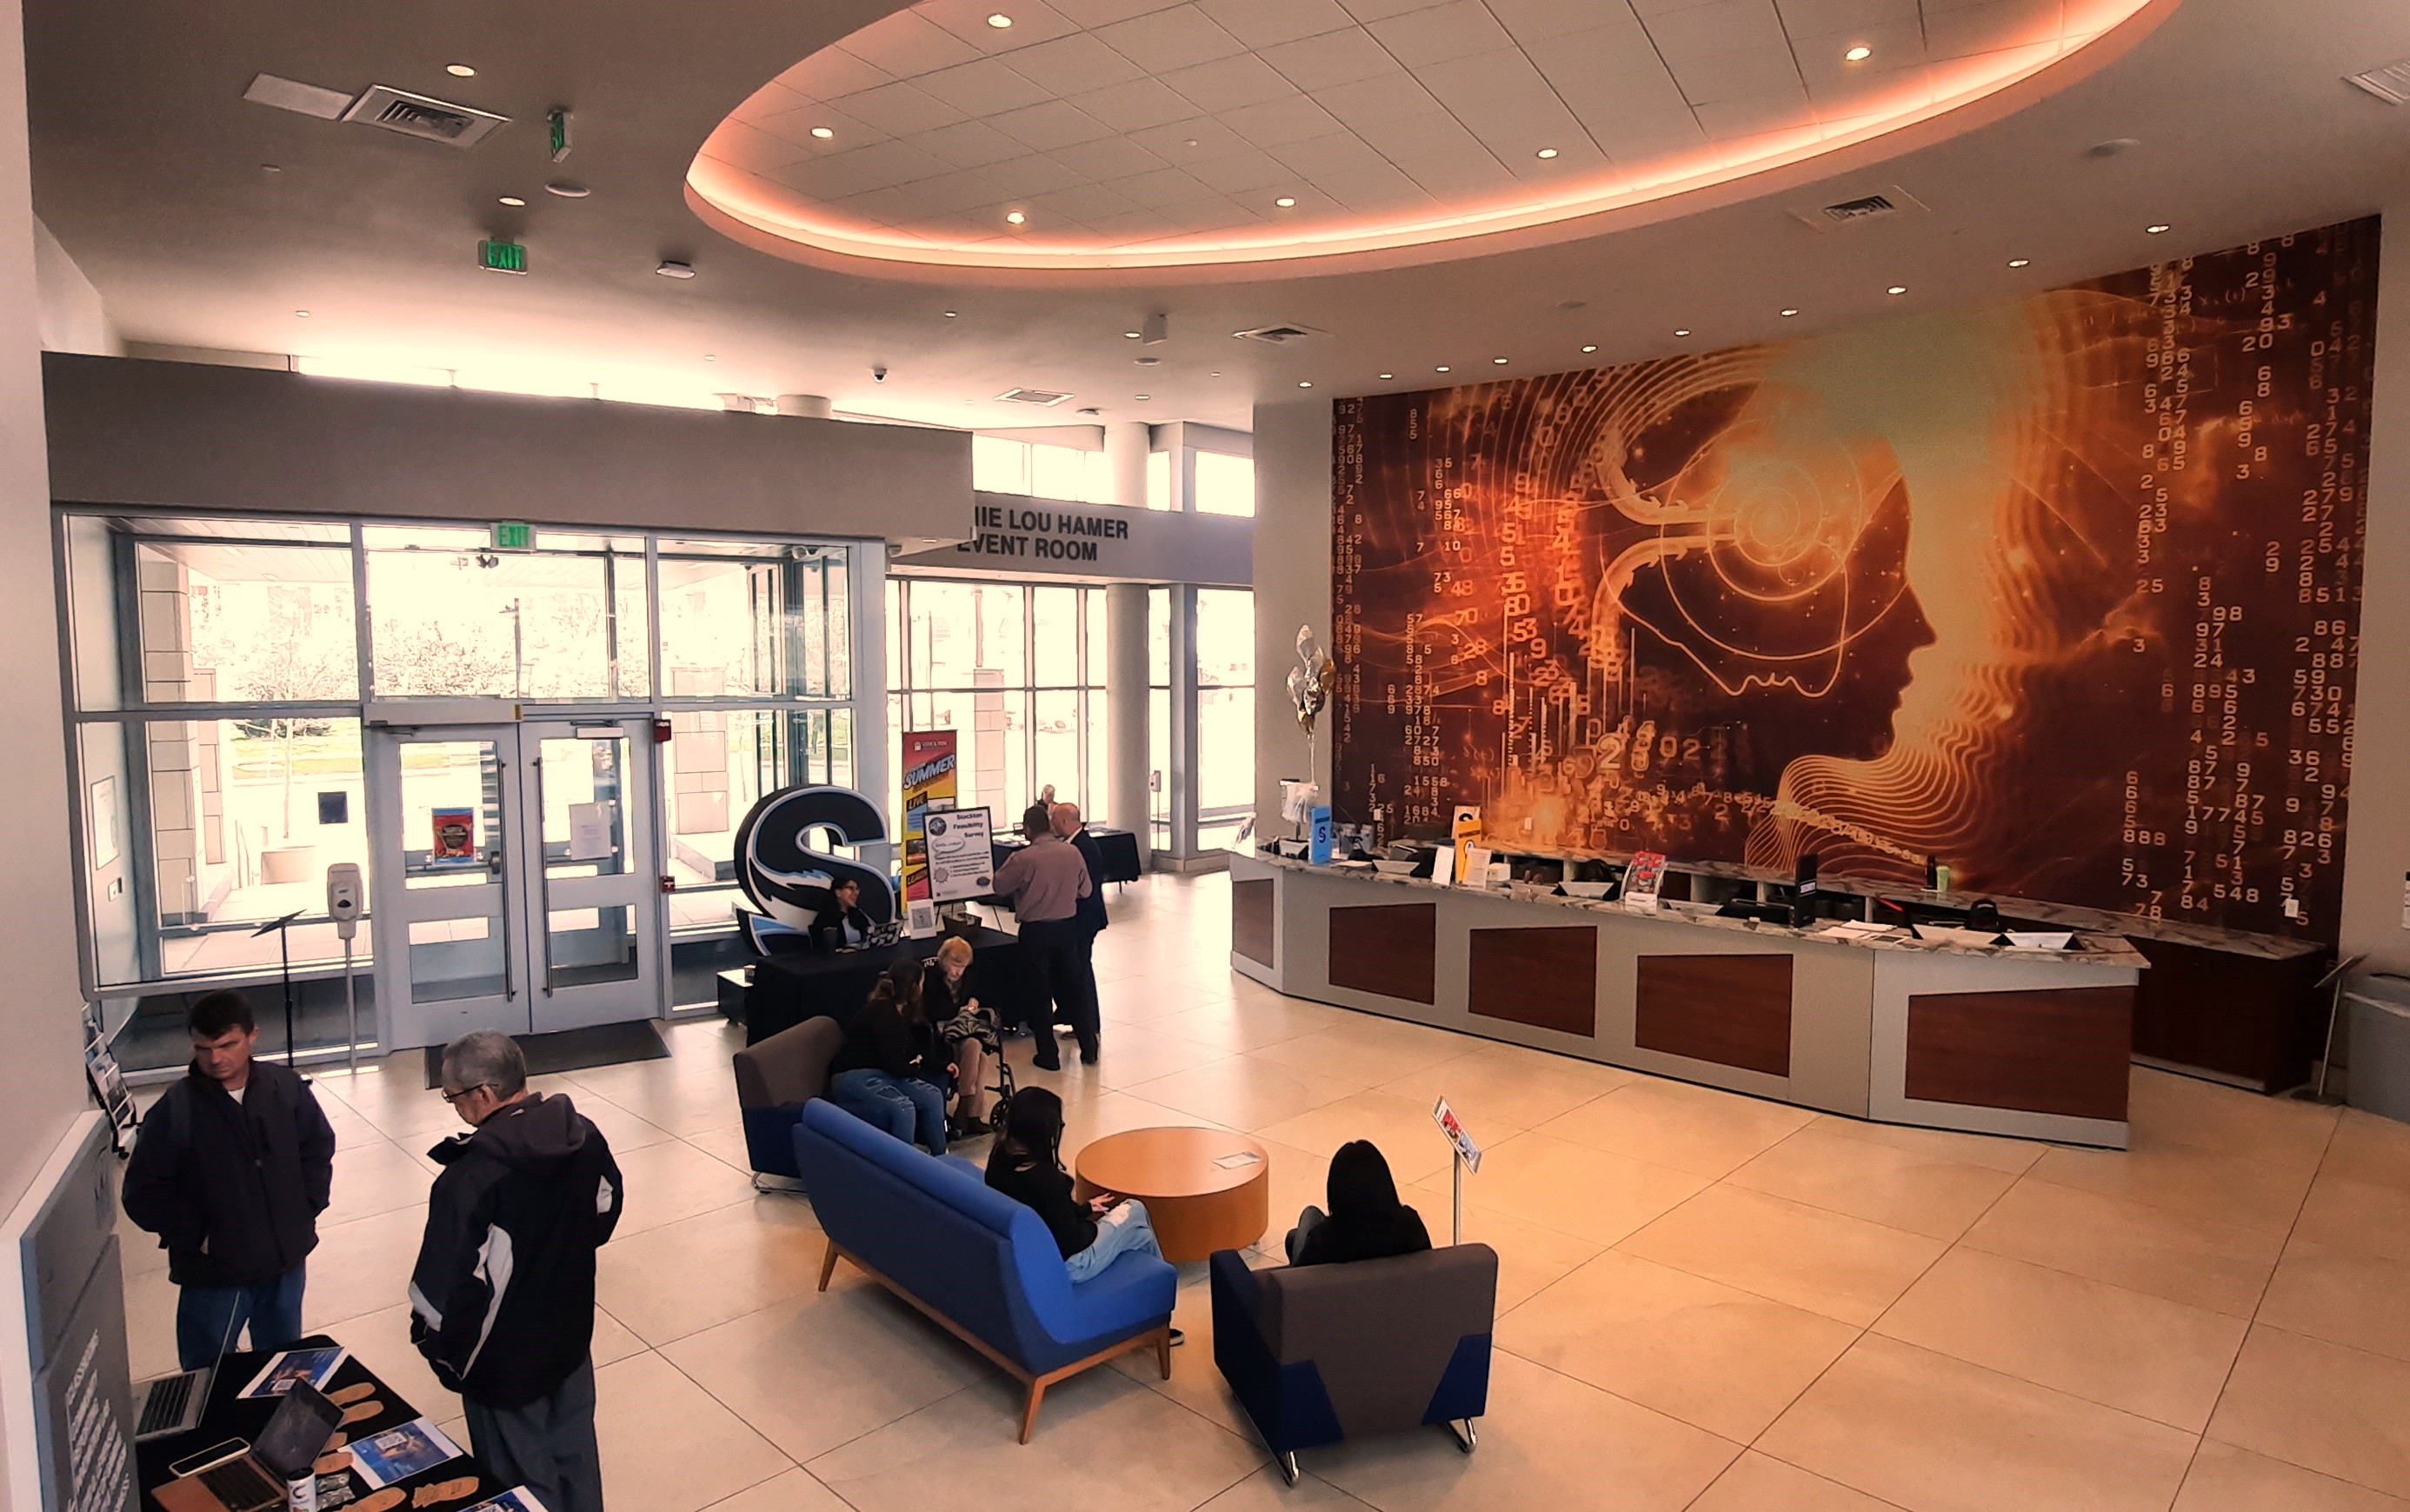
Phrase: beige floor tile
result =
(814, 1372)
(139, 1250)
(1079, 1457)
(1299, 1177)
(362, 1266)
(2198, 1261)
(726, 1146)
(1265, 1491)
(1936, 1434)
(2164, 1109)
(1902, 1188)
(612, 1340)
(2142, 1354)
(1401, 1126)
(1500, 1095)
(667, 1445)
(621, 1129)
(2343, 1412)
(370, 1179)
(1530, 1257)
(1844, 1267)
(1133, 1053)
(1590, 1193)
(2369, 1149)
(2227, 1479)
(1236, 1025)
(2363, 1217)
(793, 1491)
(665, 1182)
(682, 1102)
(2015, 1157)
(1169, 988)
(1369, 1049)
(1758, 1484)
(149, 1323)
(1698, 1130)
(1243, 1091)
(1195, 1383)
(381, 1342)
(679, 1278)
(2342, 1298)
(1547, 1442)
(1715, 1357)
(1114, 1112)
(2251, 1194)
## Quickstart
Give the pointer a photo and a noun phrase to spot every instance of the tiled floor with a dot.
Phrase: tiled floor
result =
(1706, 1302)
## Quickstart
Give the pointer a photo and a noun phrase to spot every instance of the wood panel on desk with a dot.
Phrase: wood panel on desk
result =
(1545, 976)
(1251, 908)
(1728, 1010)
(1389, 950)
(2244, 1016)
(2061, 1049)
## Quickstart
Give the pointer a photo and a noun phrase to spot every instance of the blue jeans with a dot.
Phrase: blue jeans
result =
(1126, 1230)
(208, 1318)
(903, 1107)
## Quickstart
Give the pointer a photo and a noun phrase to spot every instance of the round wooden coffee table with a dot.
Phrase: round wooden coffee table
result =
(1200, 1188)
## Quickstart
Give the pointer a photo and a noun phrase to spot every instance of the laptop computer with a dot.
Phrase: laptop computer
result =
(173, 1403)
(250, 1477)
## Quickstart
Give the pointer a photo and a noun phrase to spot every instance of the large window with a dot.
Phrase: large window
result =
(1224, 485)
(1078, 474)
(1018, 671)
(451, 617)
(1226, 714)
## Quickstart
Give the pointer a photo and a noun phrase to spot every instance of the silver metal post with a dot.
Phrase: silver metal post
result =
(351, 1008)
(1456, 1164)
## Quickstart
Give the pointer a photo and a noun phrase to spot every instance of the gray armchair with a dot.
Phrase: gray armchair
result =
(774, 1080)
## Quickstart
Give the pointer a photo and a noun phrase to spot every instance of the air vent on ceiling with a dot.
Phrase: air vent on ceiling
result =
(1277, 335)
(1882, 205)
(421, 116)
(1042, 397)
(2389, 83)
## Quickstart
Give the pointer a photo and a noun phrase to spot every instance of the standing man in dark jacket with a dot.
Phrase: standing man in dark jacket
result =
(503, 1297)
(1043, 881)
(1091, 917)
(231, 1170)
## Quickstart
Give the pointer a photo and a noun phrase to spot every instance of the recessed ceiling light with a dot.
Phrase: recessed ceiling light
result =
(1788, 314)
(999, 20)
(1501, 361)
(1148, 362)
(1442, 368)
(567, 190)
(1189, 142)
(953, 313)
(303, 314)
(2155, 230)
(1284, 202)
(823, 133)
(1131, 334)
(1681, 330)
(1858, 54)
(271, 168)
(460, 71)
(1302, 383)
(1588, 349)
(2020, 262)
(1016, 218)
(675, 269)
(513, 201)
(1142, 398)
(1896, 289)
(1387, 376)
(711, 357)
(1547, 152)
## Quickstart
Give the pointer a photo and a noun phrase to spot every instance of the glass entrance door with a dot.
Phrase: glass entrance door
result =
(516, 885)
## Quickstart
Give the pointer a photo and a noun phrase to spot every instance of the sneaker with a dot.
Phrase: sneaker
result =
(1178, 1337)
(1051, 1063)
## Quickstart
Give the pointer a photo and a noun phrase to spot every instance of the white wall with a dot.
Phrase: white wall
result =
(41, 1073)
(72, 318)
(1292, 588)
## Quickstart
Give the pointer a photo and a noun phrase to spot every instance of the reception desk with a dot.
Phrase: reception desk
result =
(1988, 1040)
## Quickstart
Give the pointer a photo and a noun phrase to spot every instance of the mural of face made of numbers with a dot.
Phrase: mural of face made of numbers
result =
(2063, 592)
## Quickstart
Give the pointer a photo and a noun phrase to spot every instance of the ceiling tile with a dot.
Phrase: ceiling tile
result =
(1032, 22)
(1741, 151)
(1213, 213)
(1649, 8)
(1107, 157)
(899, 109)
(1069, 64)
(1737, 75)
(1192, 141)
(1456, 177)
(1262, 24)
(1637, 141)
(827, 179)
(1276, 121)
(1025, 176)
(1337, 155)
(796, 126)
(831, 72)
(1163, 186)
(953, 192)
(1378, 186)
(906, 43)
(894, 162)
(1332, 59)
(1407, 141)
(1084, 202)
(1542, 21)
(1094, 13)
(1136, 226)
(1597, 100)
(1820, 17)
(772, 99)
(1716, 29)
(1394, 97)
(1756, 114)
(1953, 76)
(1371, 11)
(1503, 99)
(1989, 28)
(1169, 39)
(1229, 83)
(1458, 29)
(969, 145)
(987, 87)
(1896, 46)
(1242, 172)
(879, 207)
(750, 148)
(1134, 106)
(1885, 94)
(1055, 123)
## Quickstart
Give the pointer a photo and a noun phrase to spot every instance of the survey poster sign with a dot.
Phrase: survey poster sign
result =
(962, 857)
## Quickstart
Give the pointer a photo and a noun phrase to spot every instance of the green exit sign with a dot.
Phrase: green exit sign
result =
(501, 256)
(513, 535)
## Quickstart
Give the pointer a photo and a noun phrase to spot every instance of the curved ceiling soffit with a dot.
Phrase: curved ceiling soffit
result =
(743, 182)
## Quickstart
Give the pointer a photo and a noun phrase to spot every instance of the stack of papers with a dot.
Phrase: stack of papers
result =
(1859, 929)
(1943, 934)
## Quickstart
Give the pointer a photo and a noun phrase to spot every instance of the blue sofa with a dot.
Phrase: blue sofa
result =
(980, 1264)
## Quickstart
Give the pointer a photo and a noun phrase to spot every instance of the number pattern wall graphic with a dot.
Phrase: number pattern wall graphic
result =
(2063, 592)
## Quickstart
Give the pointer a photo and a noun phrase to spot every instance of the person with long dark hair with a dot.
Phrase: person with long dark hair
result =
(1026, 1164)
(1366, 1220)
(884, 1074)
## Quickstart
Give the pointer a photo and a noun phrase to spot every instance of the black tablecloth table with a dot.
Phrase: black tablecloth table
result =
(789, 988)
(1118, 847)
(228, 1418)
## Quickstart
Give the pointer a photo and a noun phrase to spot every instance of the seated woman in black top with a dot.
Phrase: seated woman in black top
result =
(883, 1074)
(843, 925)
(1366, 1220)
(1026, 1164)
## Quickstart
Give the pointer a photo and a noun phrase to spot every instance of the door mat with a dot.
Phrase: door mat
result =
(574, 1050)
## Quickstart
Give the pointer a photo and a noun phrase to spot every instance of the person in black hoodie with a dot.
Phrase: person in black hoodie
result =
(842, 925)
(501, 1299)
(1366, 1220)
(233, 1166)
(891, 1073)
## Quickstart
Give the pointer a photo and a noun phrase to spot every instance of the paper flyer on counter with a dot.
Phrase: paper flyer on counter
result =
(399, 1453)
(287, 1366)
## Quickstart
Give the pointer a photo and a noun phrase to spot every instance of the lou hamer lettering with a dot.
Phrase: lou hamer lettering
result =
(1055, 535)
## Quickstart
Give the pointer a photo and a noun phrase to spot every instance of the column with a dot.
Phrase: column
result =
(1125, 711)
(1126, 445)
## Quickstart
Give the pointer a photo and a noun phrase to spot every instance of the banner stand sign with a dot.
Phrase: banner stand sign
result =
(929, 787)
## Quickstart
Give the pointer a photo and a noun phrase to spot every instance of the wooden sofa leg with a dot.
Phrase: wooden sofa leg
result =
(828, 1265)
(1163, 1349)
(1030, 1412)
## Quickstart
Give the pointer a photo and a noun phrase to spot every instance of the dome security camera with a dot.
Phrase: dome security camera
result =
(878, 372)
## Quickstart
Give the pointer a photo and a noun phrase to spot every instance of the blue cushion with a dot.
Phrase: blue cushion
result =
(934, 1228)
(769, 1139)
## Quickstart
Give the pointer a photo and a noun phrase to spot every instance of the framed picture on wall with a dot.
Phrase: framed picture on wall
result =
(103, 823)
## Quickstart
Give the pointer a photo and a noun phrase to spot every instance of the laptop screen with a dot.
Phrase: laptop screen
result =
(298, 1433)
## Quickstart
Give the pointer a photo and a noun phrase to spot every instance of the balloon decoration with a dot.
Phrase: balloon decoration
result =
(1310, 682)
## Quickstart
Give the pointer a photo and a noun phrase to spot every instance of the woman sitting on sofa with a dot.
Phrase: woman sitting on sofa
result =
(1026, 1164)
(1366, 1220)
(883, 1074)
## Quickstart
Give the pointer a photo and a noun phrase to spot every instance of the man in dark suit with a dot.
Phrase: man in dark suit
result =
(1091, 918)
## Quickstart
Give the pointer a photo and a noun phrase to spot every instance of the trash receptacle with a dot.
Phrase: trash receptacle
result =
(2379, 1046)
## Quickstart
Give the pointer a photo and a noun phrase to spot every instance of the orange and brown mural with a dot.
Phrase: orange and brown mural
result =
(2063, 592)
